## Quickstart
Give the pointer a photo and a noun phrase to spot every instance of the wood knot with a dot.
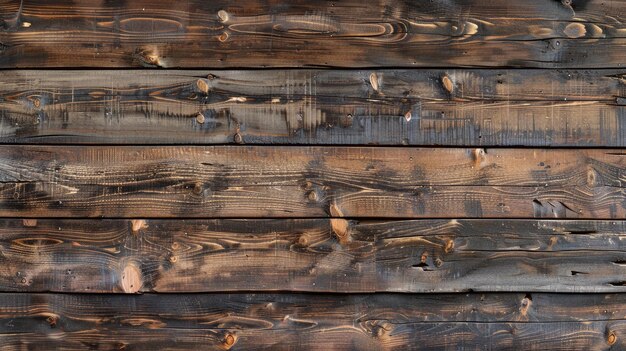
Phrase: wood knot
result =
(238, 138)
(479, 155)
(449, 247)
(223, 37)
(198, 188)
(611, 338)
(29, 222)
(173, 259)
(52, 320)
(313, 196)
(223, 15)
(200, 118)
(382, 329)
(202, 86)
(374, 81)
(407, 116)
(346, 121)
(341, 228)
(335, 210)
(147, 57)
(137, 224)
(447, 84)
(303, 240)
(575, 30)
(175, 246)
(229, 341)
(131, 279)
(591, 177)
(525, 304)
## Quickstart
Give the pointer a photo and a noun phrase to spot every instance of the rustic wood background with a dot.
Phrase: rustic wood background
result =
(313, 175)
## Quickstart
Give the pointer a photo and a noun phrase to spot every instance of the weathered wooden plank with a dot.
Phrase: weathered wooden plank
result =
(260, 33)
(318, 255)
(392, 107)
(257, 181)
(313, 322)
(299, 335)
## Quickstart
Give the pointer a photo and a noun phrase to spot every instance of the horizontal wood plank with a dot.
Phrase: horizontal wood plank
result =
(260, 33)
(309, 181)
(313, 322)
(257, 181)
(386, 107)
(317, 255)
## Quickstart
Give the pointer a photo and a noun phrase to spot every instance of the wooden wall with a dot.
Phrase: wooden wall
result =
(313, 175)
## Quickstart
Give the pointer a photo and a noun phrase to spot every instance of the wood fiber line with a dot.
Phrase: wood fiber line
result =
(384, 107)
(261, 33)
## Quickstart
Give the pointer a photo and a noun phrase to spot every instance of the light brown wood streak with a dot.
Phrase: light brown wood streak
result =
(318, 255)
(259, 33)
(405, 107)
(313, 322)
(253, 181)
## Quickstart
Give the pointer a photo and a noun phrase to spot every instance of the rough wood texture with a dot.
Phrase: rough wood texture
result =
(313, 322)
(124, 227)
(391, 107)
(261, 33)
(256, 181)
(317, 255)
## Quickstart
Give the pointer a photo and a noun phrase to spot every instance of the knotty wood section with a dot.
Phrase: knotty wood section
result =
(314, 322)
(260, 33)
(257, 181)
(387, 107)
(317, 255)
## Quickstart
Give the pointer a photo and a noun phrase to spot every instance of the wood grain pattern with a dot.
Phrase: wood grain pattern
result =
(457, 181)
(261, 33)
(313, 322)
(255, 181)
(386, 107)
(316, 255)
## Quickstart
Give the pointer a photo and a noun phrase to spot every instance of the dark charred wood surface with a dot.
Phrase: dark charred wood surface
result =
(284, 181)
(387, 107)
(313, 322)
(315, 255)
(261, 33)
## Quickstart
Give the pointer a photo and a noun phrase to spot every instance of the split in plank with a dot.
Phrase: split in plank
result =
(284, 181)
(313, 322)
(351, 33)
(386, 107)
(316, 255)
